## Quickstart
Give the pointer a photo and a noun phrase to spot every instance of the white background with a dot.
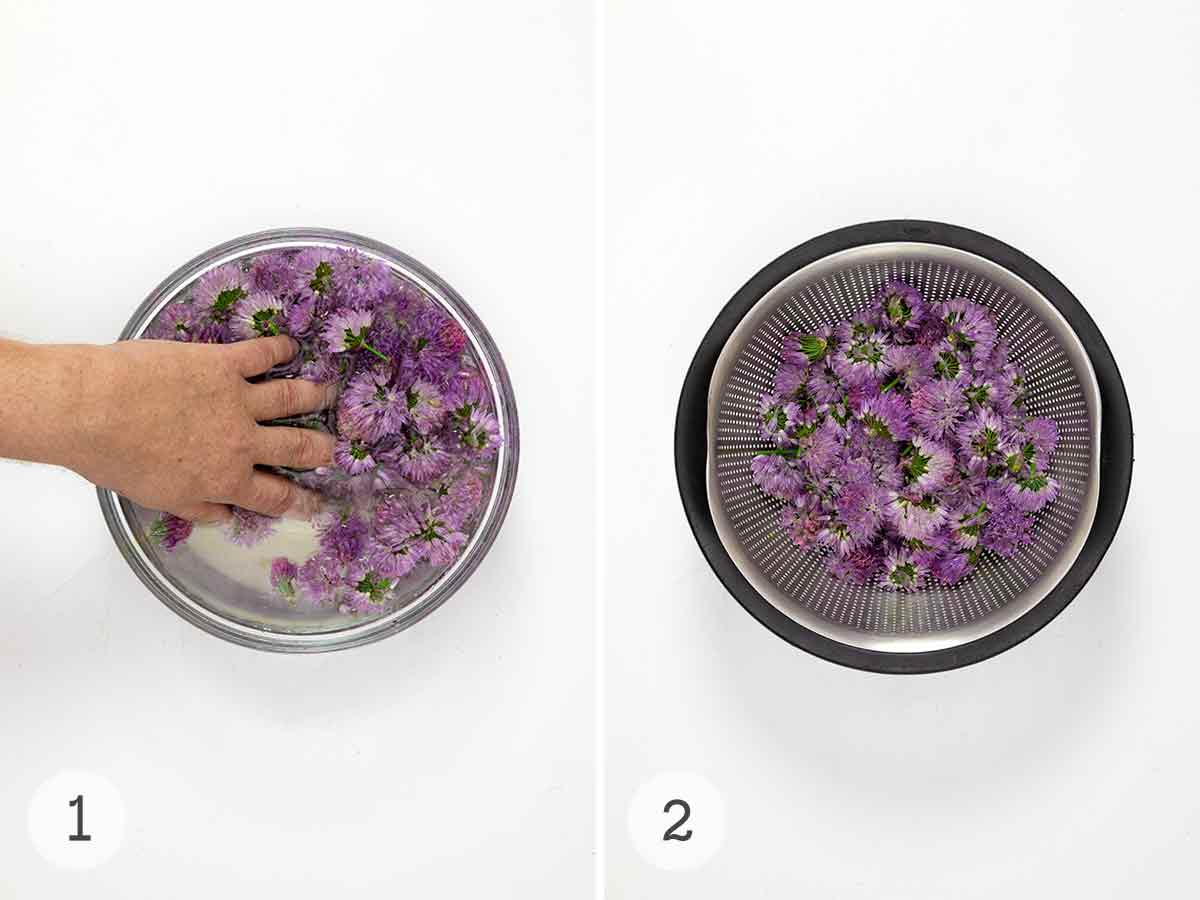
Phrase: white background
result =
(1066, 766)
(454, 759)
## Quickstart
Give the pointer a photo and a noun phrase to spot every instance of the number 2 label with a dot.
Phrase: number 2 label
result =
(671, 834)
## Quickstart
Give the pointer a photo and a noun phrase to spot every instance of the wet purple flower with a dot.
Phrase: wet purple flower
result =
(217, 292)
(425, 406)
(980, 435)
(342, 536)
(358, 279)
(860, 566)
(938, 407)
(248, 528)
(177, 322)
(432, 346)
(860, 505)
(859, 357)
(887, 416)
(314, 270)
(273, 273)
(372, 407)
(258, 315)
(480, 434)
(349, 330)
(283, 576)
(902, 306)
(969, 326)
(422, 460)
(915, 518)
(902, 572)
(354, 456)
(320, 577)
(926, 463)
(952, 567)
(803, 521)
(170, 531)
(778, 476)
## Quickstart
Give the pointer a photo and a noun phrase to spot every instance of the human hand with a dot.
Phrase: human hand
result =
(174, 426)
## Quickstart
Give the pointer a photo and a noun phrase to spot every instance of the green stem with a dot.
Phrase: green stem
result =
(371, 349)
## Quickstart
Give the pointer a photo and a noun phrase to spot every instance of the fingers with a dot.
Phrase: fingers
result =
(204, 512)
(256, 356)
(275, 496)
(283, 397)
(293, 448)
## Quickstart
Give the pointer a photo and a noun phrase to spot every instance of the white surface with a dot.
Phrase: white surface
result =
(454, 759)
(1066, 766)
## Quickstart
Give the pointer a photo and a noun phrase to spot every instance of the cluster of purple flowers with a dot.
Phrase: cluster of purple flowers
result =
(901, 443)
(414, 421)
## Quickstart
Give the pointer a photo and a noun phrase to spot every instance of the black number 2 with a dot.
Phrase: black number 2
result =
(670, 834)
(78, 835)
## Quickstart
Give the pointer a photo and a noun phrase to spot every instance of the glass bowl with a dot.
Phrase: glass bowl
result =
(224, 588)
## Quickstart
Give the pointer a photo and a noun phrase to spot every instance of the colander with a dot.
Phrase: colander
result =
(1071, 378)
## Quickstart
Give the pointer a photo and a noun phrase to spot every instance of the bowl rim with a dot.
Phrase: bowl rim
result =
(1115, 451)
(116, 510)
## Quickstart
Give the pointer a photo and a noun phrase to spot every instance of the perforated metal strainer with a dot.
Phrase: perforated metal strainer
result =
(1072, 379)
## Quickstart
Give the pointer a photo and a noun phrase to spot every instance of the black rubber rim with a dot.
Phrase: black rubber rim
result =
(1116, 446)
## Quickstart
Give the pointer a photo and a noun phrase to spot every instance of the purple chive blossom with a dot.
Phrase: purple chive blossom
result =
(176, 322)
(916, 519)
(341, 536)
(248, 528)
(422, 460)
(425, 406)
(926, 463)
(273, 273)
(951, 568)
(350, 330)
(860, 506)
(298, 315)
(314, 270)
(803, 521)
(283, 576)
(969, 326)
(465, 393)
(367, 587)
(898, 441)
(354, 456)
(887, 416)
(358, 279)
(901, 306)
(258, 315)
(480, 434)
(1032, 491)
(902, 572)
(778, 476)
(170, 531)
(938, 407)
(859, 566)
(860, 356)
(372, 407)
(414, 420)
(779, 417)
(320, 577)
(217, 292)
(911, 366)
(981, 435)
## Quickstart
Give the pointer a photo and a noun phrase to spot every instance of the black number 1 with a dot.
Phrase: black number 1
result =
(670, 834)
(78, 835)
